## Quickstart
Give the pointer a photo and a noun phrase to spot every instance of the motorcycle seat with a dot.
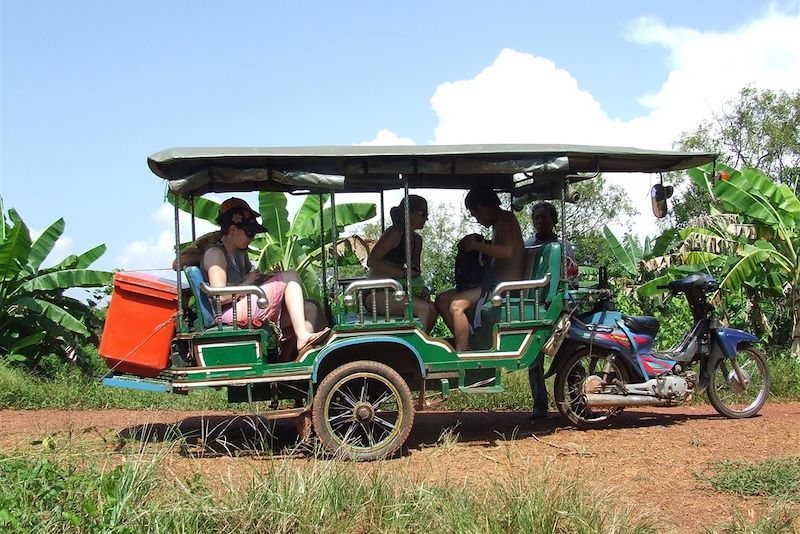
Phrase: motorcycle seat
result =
(642, 325)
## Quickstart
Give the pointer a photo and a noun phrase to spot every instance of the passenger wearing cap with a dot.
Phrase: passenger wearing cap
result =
(226, 263)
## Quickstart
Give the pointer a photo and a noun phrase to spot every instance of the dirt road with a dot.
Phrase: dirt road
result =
(651, 457)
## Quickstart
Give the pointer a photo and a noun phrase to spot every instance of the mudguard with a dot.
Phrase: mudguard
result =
(724, 344)
(336, 347)
(729, 340)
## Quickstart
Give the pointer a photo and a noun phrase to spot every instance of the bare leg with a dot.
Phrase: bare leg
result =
(426, 312)
(458, 311)
(443, 301)
(295, 305)
(315, 317)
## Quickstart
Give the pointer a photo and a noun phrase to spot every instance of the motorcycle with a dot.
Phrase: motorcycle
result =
(607, 362)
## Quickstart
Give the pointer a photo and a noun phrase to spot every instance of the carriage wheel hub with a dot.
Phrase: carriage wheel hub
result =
(363, 412)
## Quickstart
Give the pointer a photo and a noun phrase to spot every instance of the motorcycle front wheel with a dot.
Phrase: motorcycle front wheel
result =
(569, 388)
(728, 395)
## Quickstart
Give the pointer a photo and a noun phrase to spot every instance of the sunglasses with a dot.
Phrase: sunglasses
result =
(249, 233)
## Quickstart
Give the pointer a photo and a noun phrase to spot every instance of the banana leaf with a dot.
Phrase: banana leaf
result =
(650, 289)
(274, 215)
(663, 242)
(2, 222)
(705, 242)
(90, 256)
(67, 279)
(346, 214)
(307, 217)
(780, 196)
(754, 195)
(44, 244)
(14, 251)
(700, 176)
(632, 245)
(27, 341)
(622, 255)
(648, 247)
(754, 261)
(55, 314)
(204, 208)
(14, 217)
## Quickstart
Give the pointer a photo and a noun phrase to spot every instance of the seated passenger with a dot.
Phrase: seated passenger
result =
(226, 263)
(388, 260)
(505, 249)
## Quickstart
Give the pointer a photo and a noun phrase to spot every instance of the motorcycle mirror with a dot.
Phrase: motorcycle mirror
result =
(658, 198)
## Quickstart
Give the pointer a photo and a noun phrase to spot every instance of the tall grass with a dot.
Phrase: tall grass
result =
(72, 389)
(58, 495)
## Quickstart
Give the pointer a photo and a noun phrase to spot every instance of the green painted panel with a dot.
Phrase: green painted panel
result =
(232, 351)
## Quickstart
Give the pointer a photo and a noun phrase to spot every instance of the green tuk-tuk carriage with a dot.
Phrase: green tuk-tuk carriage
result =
(357, 387)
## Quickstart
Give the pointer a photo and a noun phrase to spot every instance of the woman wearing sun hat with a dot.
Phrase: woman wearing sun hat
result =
(226, 263)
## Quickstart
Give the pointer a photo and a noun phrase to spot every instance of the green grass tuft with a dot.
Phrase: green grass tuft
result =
(777, 519)
(776, 477)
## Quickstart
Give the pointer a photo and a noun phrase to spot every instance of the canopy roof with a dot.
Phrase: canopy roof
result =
(195, 171)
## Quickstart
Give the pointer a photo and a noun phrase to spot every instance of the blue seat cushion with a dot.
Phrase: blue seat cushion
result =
(195, 277)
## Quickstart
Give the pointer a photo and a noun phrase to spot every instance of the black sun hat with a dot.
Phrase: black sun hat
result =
(237, 212)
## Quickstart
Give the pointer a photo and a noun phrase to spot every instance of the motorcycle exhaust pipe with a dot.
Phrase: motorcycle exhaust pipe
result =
(604, 400)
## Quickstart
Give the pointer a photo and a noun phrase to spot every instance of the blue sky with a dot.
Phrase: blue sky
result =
(90, 89)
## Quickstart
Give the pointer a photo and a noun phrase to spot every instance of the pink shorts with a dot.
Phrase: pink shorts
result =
(274, 289)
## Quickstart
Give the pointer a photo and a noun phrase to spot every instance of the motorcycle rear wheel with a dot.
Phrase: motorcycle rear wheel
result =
(568, 388)
(727, 395)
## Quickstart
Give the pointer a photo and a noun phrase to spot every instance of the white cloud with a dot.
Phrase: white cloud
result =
(522, 98)
(387, 137)
(709, 69)
(158, 252)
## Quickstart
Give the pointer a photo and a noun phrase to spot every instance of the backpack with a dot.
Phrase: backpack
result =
(472, 268)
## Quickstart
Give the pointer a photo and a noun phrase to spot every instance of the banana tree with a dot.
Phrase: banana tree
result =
(656, 262)
(763, 240)
(36, 318)
(298, 245)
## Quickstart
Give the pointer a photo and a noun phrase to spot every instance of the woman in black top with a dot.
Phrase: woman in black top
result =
(388, 259)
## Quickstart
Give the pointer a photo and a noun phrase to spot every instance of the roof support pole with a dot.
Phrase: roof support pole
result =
(334, 242)
(383, 213)
(178, 257)
(191, 206)
(407, 230)
(564, 185)
(323, 258)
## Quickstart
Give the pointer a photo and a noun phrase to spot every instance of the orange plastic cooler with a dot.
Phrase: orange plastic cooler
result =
(140, 324)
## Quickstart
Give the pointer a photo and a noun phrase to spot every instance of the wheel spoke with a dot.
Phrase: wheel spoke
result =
(368, 434)
(339, 417)
(346, 436)
(341, 406)
(383, 398)
(364, 388)
(348, 396)
(384, 423)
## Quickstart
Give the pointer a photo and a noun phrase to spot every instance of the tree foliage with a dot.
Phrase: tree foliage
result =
(36, 318)
(761, 129)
